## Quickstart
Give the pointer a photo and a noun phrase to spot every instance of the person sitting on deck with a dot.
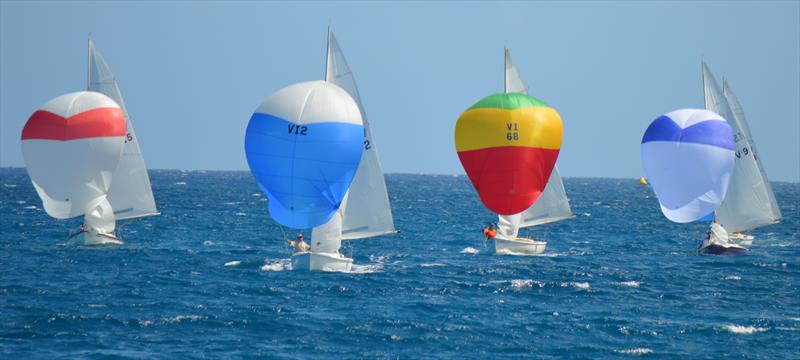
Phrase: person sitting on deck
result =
(299, 244)
(490, 232)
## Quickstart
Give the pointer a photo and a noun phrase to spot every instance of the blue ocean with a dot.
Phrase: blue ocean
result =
(209, 279)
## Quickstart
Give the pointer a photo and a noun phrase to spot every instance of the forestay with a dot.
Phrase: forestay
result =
(131, 195)
(367, 212)
(553, 204)
(749, 203)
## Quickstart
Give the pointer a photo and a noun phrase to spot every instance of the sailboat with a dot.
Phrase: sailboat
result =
(552, 205)
(131, 195)
(365, 211)
(749, 202)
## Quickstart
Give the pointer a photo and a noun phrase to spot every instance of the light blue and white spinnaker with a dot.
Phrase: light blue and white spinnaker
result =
(688, 157)
(303, 146)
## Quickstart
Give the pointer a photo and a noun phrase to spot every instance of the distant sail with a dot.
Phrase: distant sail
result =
(131, 195)
(553, 204)
(367, 211)
(749, 203)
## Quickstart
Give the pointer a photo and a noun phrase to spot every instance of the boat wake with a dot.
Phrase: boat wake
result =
(514, 253)
(470, 250)
(277, 265)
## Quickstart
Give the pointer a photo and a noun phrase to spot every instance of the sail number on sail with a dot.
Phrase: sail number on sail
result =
(298, 129)
(512, 135)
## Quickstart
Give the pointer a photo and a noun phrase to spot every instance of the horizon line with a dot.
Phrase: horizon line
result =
(399, 173)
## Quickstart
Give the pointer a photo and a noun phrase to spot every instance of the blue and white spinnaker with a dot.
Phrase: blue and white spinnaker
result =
(303, 145)
(688, 156)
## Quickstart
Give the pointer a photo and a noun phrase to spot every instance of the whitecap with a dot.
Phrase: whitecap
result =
(432, 265)
(10, 185)
(746, 330)
(732, 277)
(629, 283)
(233, 263)
(587, 214)
(581, 285)
(21, 202)
(241, 214)
(32, 207)
(469, 250)
(180, 183)
(636, 351)
(577, 285)
(180, 318)
(525, 283)
(208, 243)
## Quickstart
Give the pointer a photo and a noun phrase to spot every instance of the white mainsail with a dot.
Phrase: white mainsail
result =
(749, 202)
(131, 195)
(366, 211)
(553, 204)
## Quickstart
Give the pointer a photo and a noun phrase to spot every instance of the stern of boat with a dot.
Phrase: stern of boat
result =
(517, 246)
(311, 261)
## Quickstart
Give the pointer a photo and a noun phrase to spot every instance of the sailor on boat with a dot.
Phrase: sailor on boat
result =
(490, 232)
(299, 244)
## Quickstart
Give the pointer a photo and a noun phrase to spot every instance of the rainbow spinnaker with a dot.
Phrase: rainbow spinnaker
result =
(688, 156)
(508, 144)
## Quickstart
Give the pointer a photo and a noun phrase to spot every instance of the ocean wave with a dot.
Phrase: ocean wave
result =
(746, 330)
(635, 351)
(629, 283)
(525, 283)
(577, 285)
(180, 318)
(432, 265)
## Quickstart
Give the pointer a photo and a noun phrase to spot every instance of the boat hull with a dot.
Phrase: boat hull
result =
(517, 246)
(742, 240)
(311, 261)
(95, 238)
(725, 250)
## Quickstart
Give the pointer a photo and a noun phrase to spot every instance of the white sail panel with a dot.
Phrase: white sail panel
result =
(327, 238)
(553, 204)
(749, 202)
(714, 99)
(508, 225)
(101, 217)
(367, 212)
(131, 194)
(513, 81)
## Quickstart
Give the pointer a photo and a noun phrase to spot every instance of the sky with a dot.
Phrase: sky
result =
(192, 73)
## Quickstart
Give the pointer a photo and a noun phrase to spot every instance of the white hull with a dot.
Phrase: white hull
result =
(94, 238)
(517, 246)
(743, 240)
(311, 261)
